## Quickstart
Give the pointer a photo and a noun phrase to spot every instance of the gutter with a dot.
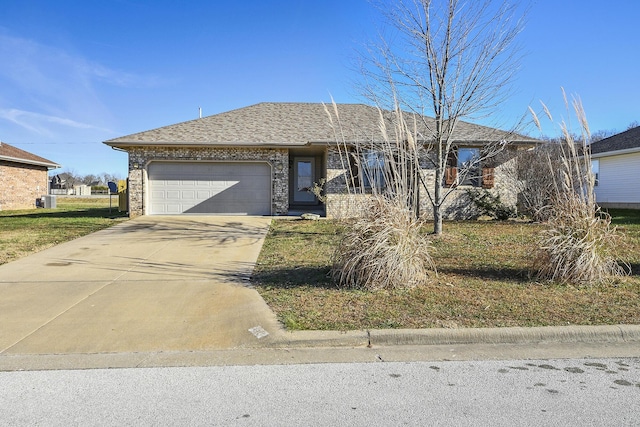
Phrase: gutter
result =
(50, 166)
(615, 153)
(123, 146)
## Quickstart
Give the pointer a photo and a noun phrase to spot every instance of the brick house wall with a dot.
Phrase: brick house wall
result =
(340, 204)
(21, 185)
(140, 157)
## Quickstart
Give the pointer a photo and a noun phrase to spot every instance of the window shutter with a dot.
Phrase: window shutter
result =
(450, 175)
(354, 174)
(488, 177)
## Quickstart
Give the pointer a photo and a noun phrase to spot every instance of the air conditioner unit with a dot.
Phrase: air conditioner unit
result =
(49, 202)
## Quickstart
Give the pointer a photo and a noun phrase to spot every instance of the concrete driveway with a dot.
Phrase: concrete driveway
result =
(150, 284)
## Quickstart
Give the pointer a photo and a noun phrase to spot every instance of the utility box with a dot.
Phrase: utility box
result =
(123, 201)
(82, 190)
(49, 202)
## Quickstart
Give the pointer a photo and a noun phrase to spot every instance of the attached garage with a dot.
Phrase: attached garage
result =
(227, 188)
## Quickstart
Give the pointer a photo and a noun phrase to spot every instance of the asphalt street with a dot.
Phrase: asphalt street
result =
(563, 392)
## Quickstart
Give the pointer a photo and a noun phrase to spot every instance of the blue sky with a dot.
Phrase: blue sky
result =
(76, 73)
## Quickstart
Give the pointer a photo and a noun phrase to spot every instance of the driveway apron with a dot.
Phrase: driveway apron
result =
(166, 283)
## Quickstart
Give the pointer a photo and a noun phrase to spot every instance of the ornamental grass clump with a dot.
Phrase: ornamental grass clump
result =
(384, 248)
(578, 245)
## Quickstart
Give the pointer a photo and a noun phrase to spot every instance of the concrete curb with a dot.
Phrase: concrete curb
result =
(441, 336)
(354, 346)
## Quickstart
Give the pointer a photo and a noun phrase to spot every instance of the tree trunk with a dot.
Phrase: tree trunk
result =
(436, 202)
(437, 220)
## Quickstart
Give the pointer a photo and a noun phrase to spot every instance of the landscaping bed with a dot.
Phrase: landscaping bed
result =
(23, 232)
(485, 279)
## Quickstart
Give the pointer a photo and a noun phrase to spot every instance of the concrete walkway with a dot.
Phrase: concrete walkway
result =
(147, 285)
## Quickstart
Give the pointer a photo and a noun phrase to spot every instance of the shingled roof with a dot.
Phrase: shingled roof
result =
(9, 153)
(626, 140)
(288, 124)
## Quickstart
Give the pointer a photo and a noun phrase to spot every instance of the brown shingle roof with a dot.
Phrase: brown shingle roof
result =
(623, 141)
(287, 124)
(10, 153)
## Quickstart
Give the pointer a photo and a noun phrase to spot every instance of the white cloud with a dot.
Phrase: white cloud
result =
(40, 123)
(27, 62)
(49, 90)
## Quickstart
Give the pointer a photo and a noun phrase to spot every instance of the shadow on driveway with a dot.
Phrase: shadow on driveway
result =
(150, 284)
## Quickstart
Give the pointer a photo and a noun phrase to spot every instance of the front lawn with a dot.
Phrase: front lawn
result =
(484, 281)
(23, 232)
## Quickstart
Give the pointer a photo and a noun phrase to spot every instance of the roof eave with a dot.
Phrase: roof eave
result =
(48, 165)
(615, 152)
(131, 144)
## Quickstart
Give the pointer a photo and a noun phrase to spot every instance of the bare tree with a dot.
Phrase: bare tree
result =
(109, 177)
(451, 60)
(535, 181)
(71, 178)
(602, 134)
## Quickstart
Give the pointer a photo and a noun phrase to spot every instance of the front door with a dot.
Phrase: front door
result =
(303, 177)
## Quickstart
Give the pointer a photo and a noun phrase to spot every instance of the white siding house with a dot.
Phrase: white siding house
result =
(616, 161)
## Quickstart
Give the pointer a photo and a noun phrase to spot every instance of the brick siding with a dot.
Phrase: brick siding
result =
(21, 185)
(140, 157)
(457, 205)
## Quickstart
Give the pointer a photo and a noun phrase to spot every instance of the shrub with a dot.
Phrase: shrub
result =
(578, 245)
(535, 180)
(384, 248)
(490, 204)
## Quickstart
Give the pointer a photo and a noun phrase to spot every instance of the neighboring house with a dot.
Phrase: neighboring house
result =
(97, 183)
(23, 177)
(616, 163)
(262, 159)
(58, 182)
(61, 184)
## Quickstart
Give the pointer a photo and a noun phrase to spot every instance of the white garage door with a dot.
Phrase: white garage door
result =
(209, 188)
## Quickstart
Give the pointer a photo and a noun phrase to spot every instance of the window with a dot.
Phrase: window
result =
(372, 170)
(463, 168)
(468, 166)
(366, 169)
(595, 170)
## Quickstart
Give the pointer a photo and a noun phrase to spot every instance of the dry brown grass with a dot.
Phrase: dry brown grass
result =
(383, 249)
(578, 245)
(485, 279)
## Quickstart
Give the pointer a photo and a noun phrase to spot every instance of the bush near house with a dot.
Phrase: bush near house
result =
(490, 204)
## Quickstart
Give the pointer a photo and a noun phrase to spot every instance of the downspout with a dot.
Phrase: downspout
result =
(128, 201)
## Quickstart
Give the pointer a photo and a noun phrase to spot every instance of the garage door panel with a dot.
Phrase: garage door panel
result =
(210, 188)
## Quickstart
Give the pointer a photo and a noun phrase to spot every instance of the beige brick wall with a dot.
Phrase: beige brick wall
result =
(21, 185)
(456, 206)
(140, 157)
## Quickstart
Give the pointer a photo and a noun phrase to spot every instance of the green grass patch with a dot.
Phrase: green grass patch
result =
(485, 280)
(23, 232)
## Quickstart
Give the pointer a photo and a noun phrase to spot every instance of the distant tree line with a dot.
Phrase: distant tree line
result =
(70, 178)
